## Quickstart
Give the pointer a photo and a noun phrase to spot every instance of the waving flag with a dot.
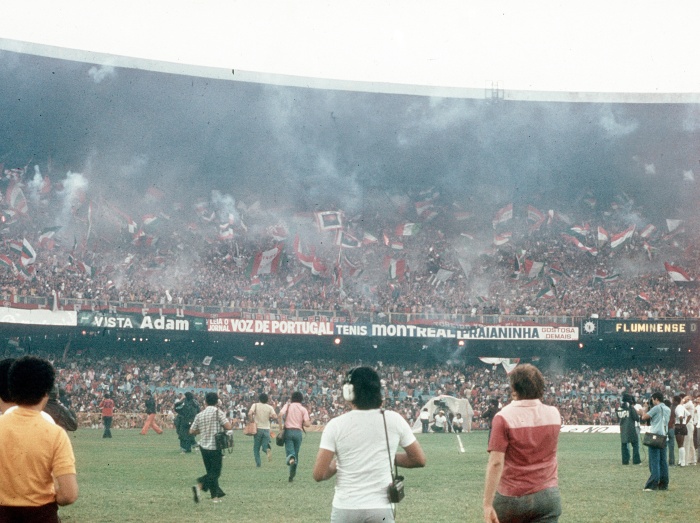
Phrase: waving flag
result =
(581, 230)
(556, 269)
(15, 198)
(369, 239)
(347, 240)
(7, 263)
(618, 239)
(503, 238)
(677, 274)
(307, 260)
(603, 236)
(535, 216)
(546, 293)
(643, 296)
(407, 229)
(329, 220)
(503, 215)
(28, 253)
(590, 250)
(647, 231)
(266, 262)
(532, 268)
(649, 249)
(46, 240)
(397, 268)
(673, 224)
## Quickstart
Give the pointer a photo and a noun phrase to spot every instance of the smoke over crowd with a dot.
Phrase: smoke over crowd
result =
(107, 151)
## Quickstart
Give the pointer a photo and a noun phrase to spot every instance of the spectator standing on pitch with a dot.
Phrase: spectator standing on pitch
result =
(295, 417)
(207, 423)
(261, 413)
(659, 414)
(671, 457)
(679, 428)
(521, 476)
(490, 413)
(37, 465)
(185, 409)
(150, 423)
(425, 420)
(363, 443)
(628, 417)
(688, 443)
(470, 417)
(107, 407)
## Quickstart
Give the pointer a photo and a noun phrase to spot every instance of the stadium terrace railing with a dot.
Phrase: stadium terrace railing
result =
(356, 317)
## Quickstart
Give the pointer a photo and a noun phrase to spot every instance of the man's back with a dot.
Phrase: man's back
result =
(32, 453)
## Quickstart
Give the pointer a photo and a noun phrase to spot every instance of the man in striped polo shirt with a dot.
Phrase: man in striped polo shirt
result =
(521, 476)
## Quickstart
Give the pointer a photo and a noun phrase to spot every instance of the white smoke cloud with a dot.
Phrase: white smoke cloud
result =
(224, 205)
(100, 73)
(73, 192)
(34, 185)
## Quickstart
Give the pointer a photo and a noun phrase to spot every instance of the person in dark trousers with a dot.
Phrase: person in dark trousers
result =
(659, 414)
(207, 423)
(185, 409)
(628, 418)
(107, 407)
(490, 413)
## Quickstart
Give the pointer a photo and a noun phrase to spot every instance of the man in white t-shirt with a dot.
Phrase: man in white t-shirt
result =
(359, 449)
(440, 422)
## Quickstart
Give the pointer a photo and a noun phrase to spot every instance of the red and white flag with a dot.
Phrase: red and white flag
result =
(647, 231)
(266, 262)
(677, 274)
(503, 215)
(618, 239)
(503, 238)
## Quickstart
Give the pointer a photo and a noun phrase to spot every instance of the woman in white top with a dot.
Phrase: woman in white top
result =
(359, 448)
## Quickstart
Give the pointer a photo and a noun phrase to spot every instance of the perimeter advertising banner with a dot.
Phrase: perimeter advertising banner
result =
(123, 320)
(636, 328)
(473, 332)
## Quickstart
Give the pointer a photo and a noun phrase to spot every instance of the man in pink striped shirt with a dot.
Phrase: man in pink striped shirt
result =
(521, 476)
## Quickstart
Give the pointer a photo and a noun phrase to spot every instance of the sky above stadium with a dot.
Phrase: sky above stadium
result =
(125, 131)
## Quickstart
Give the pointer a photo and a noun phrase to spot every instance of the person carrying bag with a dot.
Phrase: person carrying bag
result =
(655, 440)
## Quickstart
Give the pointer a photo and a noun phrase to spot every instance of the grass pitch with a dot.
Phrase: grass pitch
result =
(134, 478)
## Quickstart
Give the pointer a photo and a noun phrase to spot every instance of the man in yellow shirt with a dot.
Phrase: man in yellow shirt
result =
(37, 465)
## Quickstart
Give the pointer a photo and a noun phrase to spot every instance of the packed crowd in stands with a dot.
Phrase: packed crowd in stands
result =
(445, 272)
(584, 396)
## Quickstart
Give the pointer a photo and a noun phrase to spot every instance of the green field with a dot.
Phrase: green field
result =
(134, 478)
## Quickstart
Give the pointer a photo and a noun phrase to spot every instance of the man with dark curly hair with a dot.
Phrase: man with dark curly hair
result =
(37, 465)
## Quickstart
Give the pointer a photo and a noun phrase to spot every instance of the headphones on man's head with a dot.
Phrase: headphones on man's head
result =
(348, 388)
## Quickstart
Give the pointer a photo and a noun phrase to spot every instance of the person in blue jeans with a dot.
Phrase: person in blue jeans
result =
(296, 418)
(261, 413)
(659, 414)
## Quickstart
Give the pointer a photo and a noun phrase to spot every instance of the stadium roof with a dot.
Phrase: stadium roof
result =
(576, 51)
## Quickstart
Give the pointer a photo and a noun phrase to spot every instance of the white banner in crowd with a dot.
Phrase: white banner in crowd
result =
(38, 317)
